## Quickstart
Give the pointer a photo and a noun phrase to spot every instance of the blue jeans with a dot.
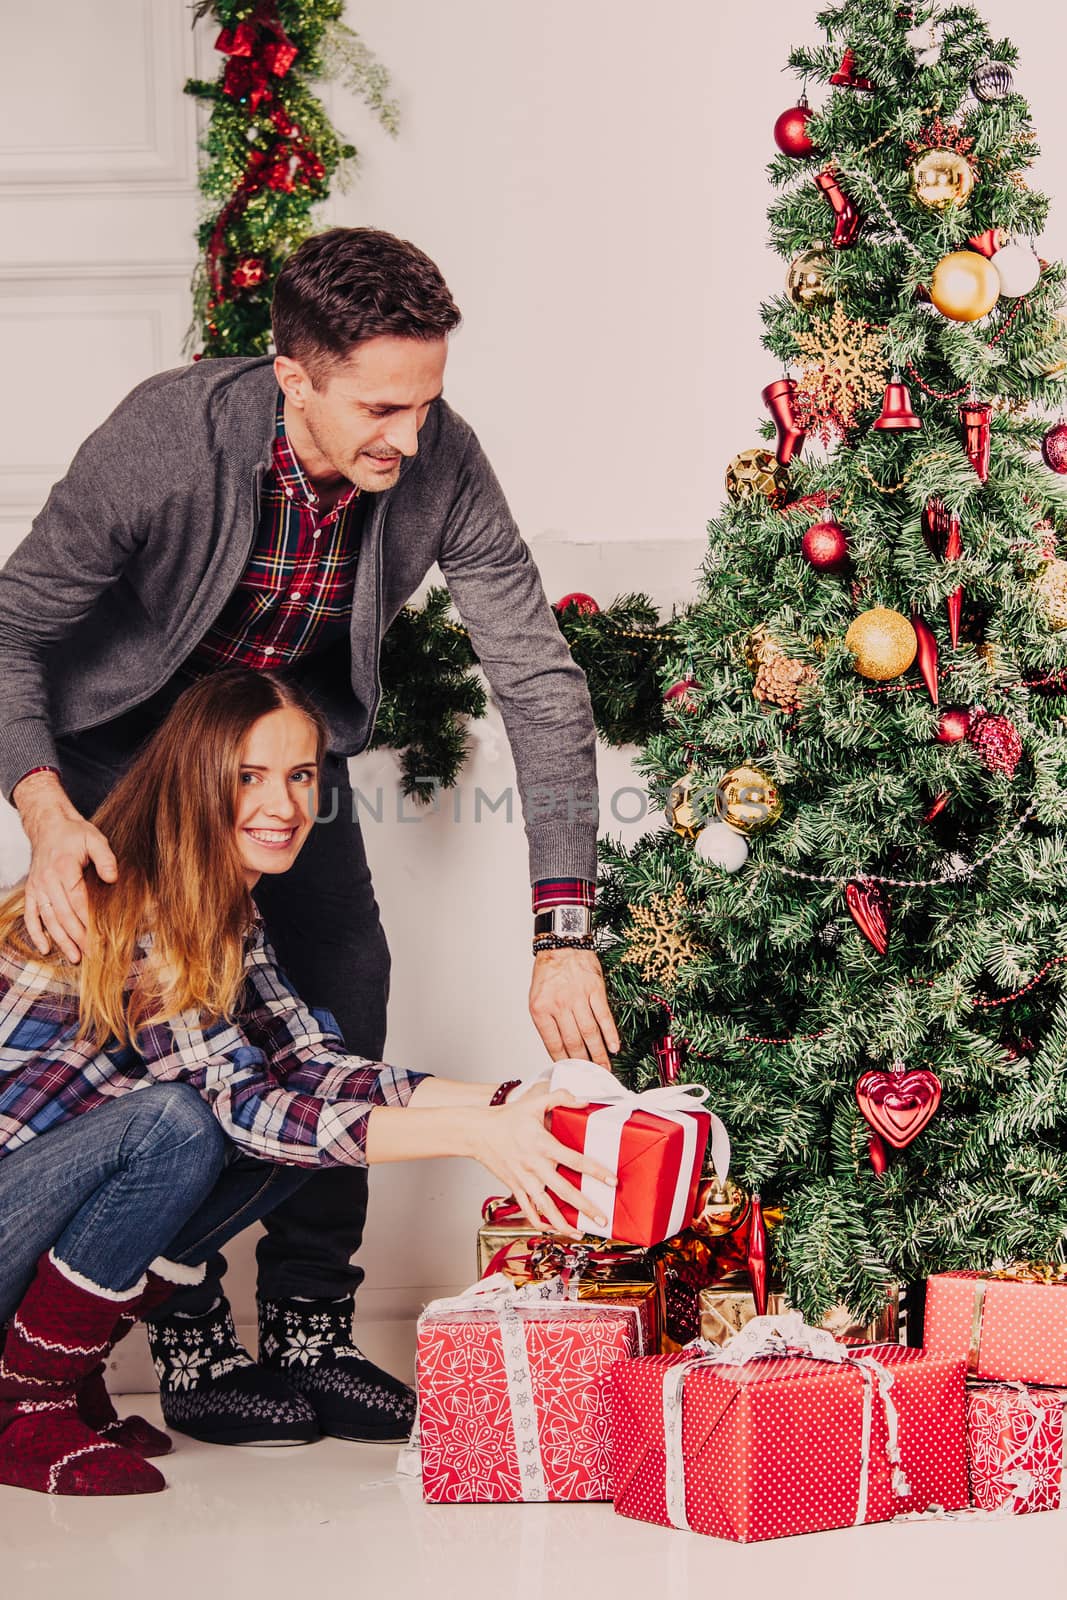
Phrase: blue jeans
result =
(149, 1174)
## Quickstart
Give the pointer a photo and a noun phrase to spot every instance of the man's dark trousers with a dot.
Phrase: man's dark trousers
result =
(322, 919)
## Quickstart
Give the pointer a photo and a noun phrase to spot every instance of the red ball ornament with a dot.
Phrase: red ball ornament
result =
(1054, 447)
(998, 743)
(825, 546)
(953, 724)
(791, 130)
(585, 603)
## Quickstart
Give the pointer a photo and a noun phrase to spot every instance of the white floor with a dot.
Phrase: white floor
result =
(331, 1520)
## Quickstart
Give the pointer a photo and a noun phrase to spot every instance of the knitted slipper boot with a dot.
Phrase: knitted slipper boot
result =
(54, 1340)
(211, 1389)
(311, 1342)
(94, 1403)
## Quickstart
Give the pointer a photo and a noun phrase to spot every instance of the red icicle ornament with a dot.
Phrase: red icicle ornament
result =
(670, 1055)
(757, 1255)
(868, 905)
(954, 603)
(926, 655)
(878, 1153)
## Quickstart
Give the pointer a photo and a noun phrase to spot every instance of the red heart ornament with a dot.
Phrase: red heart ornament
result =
(898, 1105)
(869, 905)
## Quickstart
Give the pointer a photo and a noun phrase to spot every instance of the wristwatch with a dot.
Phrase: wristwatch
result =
(564, 922)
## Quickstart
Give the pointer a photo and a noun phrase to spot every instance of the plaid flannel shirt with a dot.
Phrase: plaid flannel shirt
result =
(295, 595)
(278, 1077)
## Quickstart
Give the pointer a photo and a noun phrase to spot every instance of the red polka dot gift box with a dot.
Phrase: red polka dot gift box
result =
(786, 1444)
(514, 1393)
(1009, 1325)
(654, 1142)
(1015, 1446)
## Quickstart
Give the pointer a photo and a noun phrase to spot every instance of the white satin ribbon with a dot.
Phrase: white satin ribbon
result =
(615, 1105)
(500, 1295)
(784, 1335)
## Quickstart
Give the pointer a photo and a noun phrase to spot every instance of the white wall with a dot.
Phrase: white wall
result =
(590, 175)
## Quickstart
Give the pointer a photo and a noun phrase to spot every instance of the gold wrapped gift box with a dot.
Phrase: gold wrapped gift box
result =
(726, 1307)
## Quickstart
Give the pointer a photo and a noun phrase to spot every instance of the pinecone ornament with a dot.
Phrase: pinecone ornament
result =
(779, 677)
(997, 741)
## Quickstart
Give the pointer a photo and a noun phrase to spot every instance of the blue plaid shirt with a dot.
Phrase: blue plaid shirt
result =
(278, 1077)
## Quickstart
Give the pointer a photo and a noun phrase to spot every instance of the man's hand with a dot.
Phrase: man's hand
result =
(62, 842)
(569, 1006)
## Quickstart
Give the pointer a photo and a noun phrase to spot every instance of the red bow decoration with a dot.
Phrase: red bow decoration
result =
(259, 49)
(898, 1104)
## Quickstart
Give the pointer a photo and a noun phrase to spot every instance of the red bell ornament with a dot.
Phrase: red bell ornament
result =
(778, 397)
(791, 130)
(847, 219)
(926, 655)
(975, 418)
(897, 415)
(846, 76)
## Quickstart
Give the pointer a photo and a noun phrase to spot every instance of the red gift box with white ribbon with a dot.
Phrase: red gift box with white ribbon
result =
(1005, 1325)
(513, 1388)
(654, 1142)
(1015, 1446)
(745, 1444)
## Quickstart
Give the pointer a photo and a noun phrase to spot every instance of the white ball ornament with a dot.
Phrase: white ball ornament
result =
(1019, 269)
(722, 846)
(925, 44)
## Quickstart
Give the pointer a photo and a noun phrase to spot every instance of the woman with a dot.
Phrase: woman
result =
(135, 1086)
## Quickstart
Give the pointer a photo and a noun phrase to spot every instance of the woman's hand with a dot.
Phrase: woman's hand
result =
(513, 1142)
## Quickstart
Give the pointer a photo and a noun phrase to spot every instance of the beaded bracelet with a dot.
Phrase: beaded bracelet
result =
(553, 941)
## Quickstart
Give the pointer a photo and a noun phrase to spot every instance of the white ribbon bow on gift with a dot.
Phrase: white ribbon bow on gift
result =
(786, 1334)
(616, 1104)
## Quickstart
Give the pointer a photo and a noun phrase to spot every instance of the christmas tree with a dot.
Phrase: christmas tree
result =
(854, 915)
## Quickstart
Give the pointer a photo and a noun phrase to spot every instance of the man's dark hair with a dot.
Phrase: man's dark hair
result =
(348, 285)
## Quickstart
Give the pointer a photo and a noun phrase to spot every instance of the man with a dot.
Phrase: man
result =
(277, 514)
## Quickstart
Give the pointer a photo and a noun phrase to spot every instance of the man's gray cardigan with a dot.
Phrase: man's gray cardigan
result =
(140, 546)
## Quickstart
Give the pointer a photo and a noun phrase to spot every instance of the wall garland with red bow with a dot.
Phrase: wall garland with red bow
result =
(271, 153)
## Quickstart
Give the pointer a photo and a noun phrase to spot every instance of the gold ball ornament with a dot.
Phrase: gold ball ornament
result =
(807, 281)
(883, 643)
(754, 473)
(941, 179)
(965, 286)
(1051, 589)
(685, 811)
(748, 799)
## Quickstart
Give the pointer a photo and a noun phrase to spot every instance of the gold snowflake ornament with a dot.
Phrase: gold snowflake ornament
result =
(843, 369)
(656, 945)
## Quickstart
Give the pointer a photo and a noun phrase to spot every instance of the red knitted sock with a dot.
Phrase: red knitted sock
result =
(95, 1407)
(56, 1338)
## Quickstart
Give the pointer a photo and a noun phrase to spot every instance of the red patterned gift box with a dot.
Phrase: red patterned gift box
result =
(1005, 1326)
(654, 1142)
(1015, 1446)
(787, 1444)
(514, 1400)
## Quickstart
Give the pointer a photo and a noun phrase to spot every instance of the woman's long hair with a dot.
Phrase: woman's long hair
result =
(171, 822)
